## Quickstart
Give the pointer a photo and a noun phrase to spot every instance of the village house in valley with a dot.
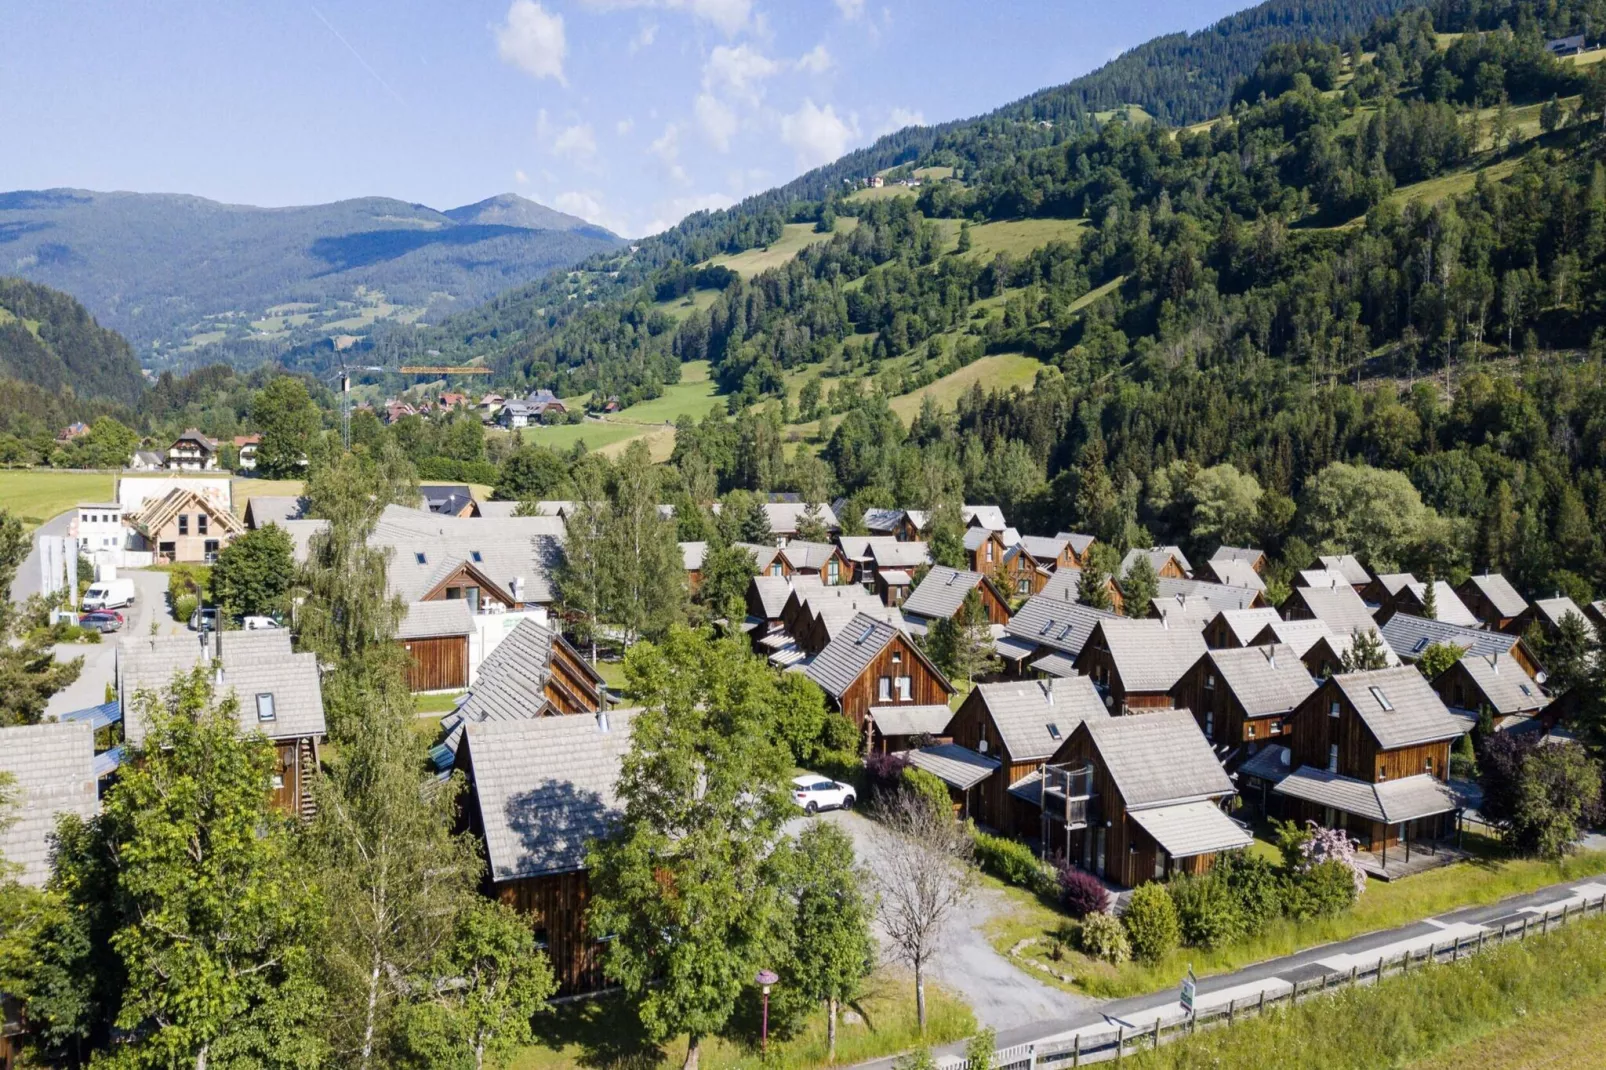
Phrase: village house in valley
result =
(1243, 697)
(943, 591)
(881, 681)
(1493, 600)
(185, 526)
(1135, 663)
(1134, 799)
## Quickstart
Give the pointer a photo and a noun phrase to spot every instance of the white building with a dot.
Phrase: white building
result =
(99, 527)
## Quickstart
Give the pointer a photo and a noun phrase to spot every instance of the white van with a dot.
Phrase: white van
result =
(109, 594)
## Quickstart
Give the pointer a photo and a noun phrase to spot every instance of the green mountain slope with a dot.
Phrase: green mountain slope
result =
(50, 340)
(172, 271)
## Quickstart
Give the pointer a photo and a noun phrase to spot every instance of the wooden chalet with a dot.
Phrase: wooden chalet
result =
(873, 554)
(1346, 565)
(1242, 698)
(1409, 636)
(767, 598)
(1169, 562)
(892, 585)
(1413, 598)
(1134, 799)
(985, 549)
(983, 518)
(1233, 628)
(1380, 592)
(1080, 544)
(1046, 635)
(1493, 600)
(692, 555)
(1135, 663)
(539, 791)
(786, 518)
(1021, 574)
(192, 451)
(1494, 684)
(1255, 559)
(1019, 724)
(489, 562)
(1547, 614)
(822, 559)
(277, 691)
(436, 636)
(904, 525)
(943, 591)
(1341, 608)
(872, 665)
(1233, 572)
(1325, 656)
(767, 559)
(1370, 754)
(1052, 552)
(449, 499)
(533, 672)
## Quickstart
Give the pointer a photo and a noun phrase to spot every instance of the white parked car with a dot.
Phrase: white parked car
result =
(815, 793)
(252, 624)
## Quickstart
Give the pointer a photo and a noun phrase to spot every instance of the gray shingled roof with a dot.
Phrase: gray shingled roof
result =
(958, 767)
(1219, 595)
(1079, 542)
(1390, 802)
(1187, 830)
(1044, 547)
(784, 517)
(1505, 686)
(1320, 578)
(850, 652)
(1271, 762)
(1033, 717)
(1417, 715)
(1062, 586)
(1148, 655)
(773, 592)
(1158, 757)
(1245, 554)
(1410, 635)
(545, 788)
(974, 537)
(890, 553)
(1451, 610)
(1055, 623)
(1299, 634)
(808, 555)
(1233, 573)
(1500, 593)
(880, 520)
(1157, 556)
(53, 766)
(692, 555)
(1349, 565)
(512, 680)
(276, 508)
(1057, 665)
(1265, 680)
(941, 593)
(423, 620)
(1395, 582)
(427, 548)
(1245, 624)
(990, 517)
(911, 720)
(254, 663)
(1340, 608)
(1556, 609)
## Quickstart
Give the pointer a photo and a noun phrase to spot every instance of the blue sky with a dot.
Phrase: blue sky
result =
(628, 112)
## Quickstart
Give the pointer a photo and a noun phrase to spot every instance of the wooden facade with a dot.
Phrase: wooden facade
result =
(877, 685)
(468, 582)
(1482, 607)
(295, 762)
(572, 685)
(1096, 663)
(437, 663)
(988, 558)
(1020, 574)
(990, 801)
(1219, 712)
(1111, 845)
(1317, 731)
(1460, 691)
(892, 593)
(557, 905)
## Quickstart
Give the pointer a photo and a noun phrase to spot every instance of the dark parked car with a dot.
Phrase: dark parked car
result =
(102, 620)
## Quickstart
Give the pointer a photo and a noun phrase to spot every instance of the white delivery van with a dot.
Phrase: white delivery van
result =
(109, 594)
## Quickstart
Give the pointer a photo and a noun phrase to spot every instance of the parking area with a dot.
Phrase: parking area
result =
(100, 660)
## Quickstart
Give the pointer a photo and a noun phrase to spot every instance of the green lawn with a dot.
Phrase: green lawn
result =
(1384, 906)
(445, 702)
(1017, 237)
(797, 237)
(35, 495)
(1001, 371)
(595, 434)
(679, 308)
(1489, 1010)
(694, 395)
(602, 1034)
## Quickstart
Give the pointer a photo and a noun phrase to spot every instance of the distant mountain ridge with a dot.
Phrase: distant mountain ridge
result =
(174, 270)
(50, 340)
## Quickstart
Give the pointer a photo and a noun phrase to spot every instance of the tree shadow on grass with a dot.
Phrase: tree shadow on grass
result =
(603, 1032)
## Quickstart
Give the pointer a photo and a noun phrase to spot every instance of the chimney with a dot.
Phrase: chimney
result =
(602, 720)
(1494, 663)
(1048, 689)
(1271, 655)
(517, 588)
(1165, 619)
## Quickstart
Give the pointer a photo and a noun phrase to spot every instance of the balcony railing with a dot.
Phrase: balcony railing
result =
(1067, 794)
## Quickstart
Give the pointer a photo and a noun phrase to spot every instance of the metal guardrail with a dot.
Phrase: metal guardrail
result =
(1116, 1043)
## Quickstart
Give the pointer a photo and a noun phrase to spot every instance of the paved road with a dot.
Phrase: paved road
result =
(1276, 975)
(1002, 995)
(100, 660)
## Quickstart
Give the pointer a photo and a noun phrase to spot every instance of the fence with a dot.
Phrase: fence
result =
(1118, 1042)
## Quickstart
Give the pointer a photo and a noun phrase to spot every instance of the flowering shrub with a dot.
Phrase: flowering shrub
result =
(1332, 845)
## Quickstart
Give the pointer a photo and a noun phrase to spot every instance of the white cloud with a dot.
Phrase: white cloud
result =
(543, 124)
(717, 121)
(589, 205)
(667, 148)
(899, 118)
(532, 40)
(521, 178)
(739, 71)
(816, 61)
(644, 37)
(730, 16)
(577, 143)
(851, 9)
(817, 135)
(624, 126)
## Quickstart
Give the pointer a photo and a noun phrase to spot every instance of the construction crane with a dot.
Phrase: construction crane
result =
(432, 369)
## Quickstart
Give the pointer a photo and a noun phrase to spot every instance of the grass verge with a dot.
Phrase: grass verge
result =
(1384, 906)
(1406, 1018)
(1567, 1038)
(603, 1034)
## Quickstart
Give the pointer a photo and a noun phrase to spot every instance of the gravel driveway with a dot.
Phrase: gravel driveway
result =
(1002, 995)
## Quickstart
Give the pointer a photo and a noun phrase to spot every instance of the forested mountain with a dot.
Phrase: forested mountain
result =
(1372, 290)
(50, 340)
(174, 273)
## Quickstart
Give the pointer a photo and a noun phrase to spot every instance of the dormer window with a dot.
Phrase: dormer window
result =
(265, 709)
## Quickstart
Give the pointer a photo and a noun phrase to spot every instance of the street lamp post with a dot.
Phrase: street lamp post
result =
(765, 978)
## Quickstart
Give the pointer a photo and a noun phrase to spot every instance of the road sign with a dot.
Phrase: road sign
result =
(1190, 987)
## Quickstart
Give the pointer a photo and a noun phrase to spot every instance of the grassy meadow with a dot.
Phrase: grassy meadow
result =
(34, 495)
(694, 395)
(795, 238)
